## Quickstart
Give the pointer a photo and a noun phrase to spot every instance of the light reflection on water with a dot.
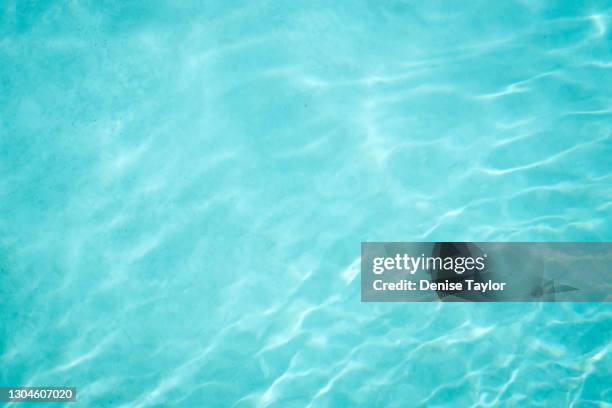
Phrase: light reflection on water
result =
(184, 189)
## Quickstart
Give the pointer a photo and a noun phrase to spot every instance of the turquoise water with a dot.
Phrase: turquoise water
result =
(184, 188)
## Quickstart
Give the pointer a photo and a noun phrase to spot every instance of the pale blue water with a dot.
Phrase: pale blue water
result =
(184, 188)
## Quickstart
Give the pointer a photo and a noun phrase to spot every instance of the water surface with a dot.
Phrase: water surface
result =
(184, 187)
